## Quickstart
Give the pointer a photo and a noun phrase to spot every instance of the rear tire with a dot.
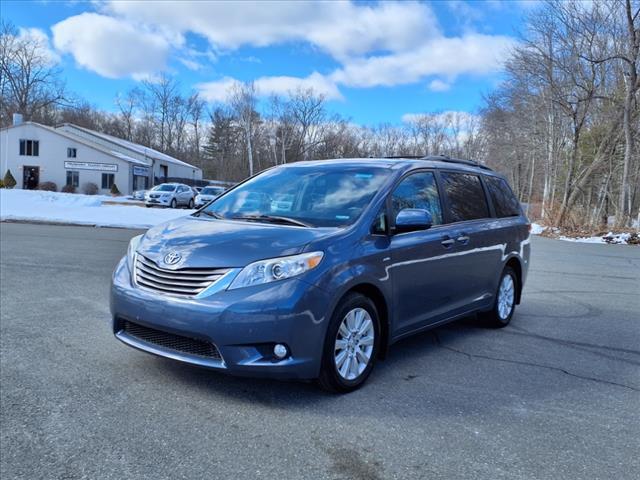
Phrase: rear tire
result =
(505, 301)
(351, 344)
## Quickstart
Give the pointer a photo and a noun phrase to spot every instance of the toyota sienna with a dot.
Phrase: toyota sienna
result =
(312, 270)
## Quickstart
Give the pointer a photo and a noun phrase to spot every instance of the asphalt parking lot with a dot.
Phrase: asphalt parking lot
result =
(554, 395)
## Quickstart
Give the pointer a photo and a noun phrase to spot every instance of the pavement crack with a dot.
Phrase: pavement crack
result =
(583, 346)
(530, 364)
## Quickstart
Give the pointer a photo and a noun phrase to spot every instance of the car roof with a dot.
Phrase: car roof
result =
(404, 163)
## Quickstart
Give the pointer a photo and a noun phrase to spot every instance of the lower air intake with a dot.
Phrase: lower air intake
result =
(170, 341)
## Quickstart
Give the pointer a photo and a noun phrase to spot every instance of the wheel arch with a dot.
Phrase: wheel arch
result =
(372, 292)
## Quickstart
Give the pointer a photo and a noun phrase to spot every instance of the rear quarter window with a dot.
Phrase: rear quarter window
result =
(466, 196)
(504, 201)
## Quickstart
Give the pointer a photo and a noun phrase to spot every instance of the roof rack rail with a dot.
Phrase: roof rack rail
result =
(407, 157)
(446, 158)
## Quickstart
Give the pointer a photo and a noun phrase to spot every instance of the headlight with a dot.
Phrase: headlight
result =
(274, 269)
(131, 251)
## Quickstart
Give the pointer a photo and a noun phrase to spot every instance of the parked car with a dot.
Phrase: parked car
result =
(312, 270)
(139, 195)
(170, 195)
(207, 194)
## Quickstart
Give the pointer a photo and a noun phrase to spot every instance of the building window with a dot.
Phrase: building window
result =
(107, 180)
(71, 153)
(73, 178)
(30, 148)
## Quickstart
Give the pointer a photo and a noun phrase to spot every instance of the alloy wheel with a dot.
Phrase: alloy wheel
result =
(354, 344)
(506, 296)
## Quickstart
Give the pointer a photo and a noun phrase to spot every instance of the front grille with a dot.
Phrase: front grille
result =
(170, 341)
(187, 282)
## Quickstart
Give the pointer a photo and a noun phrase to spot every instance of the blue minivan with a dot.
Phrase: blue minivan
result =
(311, 270)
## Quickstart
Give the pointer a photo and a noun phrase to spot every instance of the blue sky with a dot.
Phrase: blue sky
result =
(375, 62)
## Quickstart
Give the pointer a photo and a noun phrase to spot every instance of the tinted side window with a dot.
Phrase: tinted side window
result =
(418, 191)
(504, 201)
(466, 196)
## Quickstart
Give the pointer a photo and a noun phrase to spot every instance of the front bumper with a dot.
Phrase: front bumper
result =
(243, 325)
(163, 202)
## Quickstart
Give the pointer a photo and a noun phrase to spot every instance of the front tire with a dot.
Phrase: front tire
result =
(191, 204)
(351, 344)
(173, 203)
(505, 301)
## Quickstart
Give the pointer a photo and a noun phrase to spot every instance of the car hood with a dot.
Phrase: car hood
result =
(204, 243)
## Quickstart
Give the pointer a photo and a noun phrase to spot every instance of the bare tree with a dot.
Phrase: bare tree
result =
(127, 105)
(160, 99)
(243, 100)
(29, 79)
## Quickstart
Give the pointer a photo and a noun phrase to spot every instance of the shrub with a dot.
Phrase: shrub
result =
(114, 190)
(48, 186)
(90, 188)
(68, 189)
(1, 184)
(9, 181)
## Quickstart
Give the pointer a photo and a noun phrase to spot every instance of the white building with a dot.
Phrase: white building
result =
(69, 154)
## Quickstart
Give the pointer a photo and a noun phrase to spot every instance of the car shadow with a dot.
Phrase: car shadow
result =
(301, 394)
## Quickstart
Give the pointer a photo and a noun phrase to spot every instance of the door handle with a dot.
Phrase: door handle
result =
(448, 242)
(464, 239)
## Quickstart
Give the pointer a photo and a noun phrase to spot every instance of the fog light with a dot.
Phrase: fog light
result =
(280, 351)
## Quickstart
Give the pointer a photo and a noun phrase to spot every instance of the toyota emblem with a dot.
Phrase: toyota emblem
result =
(172, 258)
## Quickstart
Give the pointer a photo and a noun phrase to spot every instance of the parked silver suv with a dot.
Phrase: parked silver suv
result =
(207, 194)
(170, 195)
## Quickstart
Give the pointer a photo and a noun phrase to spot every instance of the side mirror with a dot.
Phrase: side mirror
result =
(413, 219)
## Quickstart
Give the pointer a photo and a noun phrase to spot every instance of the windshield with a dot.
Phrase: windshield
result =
(212, 191)
(323, 197)
(164, 188)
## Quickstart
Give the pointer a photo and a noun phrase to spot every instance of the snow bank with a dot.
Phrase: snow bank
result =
(77, 209)
(537, 229)
(613, 238)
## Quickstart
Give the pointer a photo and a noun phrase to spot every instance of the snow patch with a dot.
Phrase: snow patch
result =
(611, 238)
(77, 209)
(537, 229)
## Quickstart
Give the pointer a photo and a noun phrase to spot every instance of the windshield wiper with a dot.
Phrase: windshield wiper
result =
(273, 219)
(209, 214)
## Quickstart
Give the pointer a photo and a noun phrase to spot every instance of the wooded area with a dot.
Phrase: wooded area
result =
(563, 125)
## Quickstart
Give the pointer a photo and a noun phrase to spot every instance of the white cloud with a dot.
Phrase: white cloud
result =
(374, 44)
(111, 47)
(472, 53)
(218, 91)
(439, 86)
(338, 27)
(190, 64)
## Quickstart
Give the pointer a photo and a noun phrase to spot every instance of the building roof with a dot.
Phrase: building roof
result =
(134, 147)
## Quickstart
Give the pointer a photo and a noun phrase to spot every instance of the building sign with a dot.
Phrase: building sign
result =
(141, 171)
(104, 167)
